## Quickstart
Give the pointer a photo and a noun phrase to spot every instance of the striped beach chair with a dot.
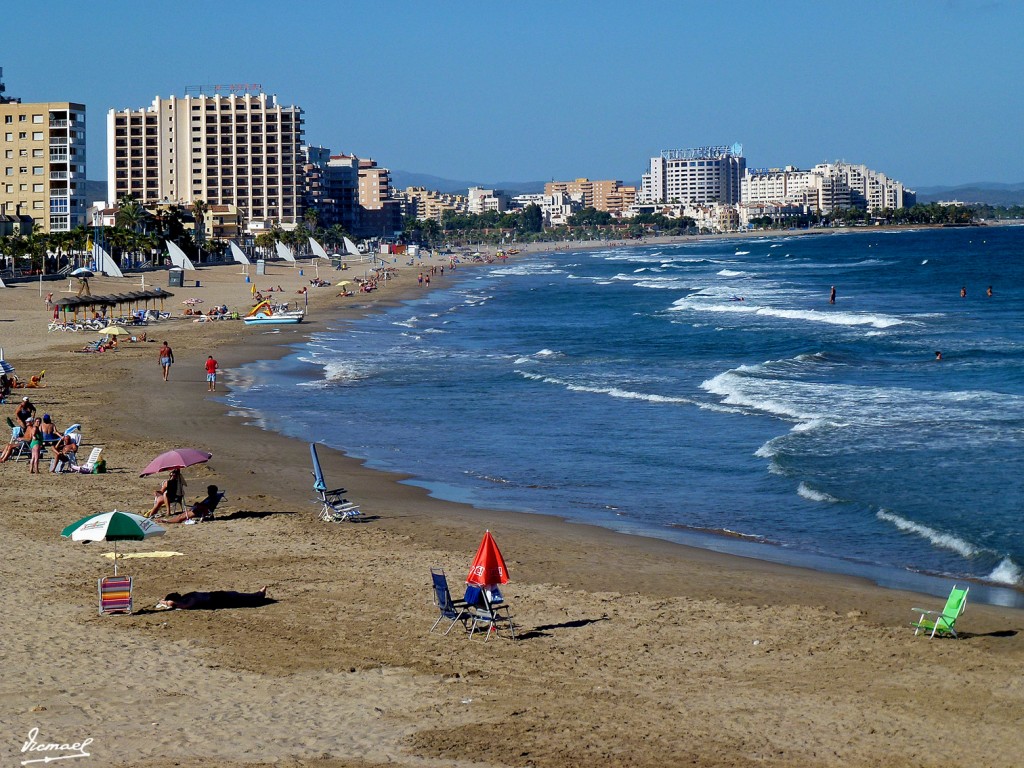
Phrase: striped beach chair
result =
(115, 594)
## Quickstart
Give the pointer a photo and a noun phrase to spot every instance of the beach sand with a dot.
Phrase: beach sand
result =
(632, 651)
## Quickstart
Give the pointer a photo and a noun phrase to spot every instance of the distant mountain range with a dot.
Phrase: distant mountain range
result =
(988, 192)
(403, 179)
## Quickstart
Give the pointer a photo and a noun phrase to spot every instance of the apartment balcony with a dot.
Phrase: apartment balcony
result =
(58, 157)
(60, 175)
(59, 194)
(58, 141)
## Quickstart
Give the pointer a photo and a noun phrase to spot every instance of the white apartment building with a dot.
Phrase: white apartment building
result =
(556, 207)
(694, 176)
(481, 200)
(240, 149)
(827, 187)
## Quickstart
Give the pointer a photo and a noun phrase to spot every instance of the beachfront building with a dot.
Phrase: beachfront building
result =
(482, 200)
(825, 188)
(604, 195)
(698, 176)
(238, 148)
(556, 208)
(427, 204)
(381, 213)
(42, 162)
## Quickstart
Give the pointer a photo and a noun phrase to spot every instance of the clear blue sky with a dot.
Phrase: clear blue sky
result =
(928, 92)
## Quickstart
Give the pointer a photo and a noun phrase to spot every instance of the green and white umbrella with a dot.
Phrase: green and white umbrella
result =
(112, 526)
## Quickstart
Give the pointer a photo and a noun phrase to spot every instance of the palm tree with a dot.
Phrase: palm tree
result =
(199, 209)
(130, 214)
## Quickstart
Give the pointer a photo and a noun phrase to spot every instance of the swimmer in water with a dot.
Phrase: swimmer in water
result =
(938, 355)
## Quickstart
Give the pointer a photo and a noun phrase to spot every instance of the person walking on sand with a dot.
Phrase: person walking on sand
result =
(166, 359)
(832, 296)
(211, 374)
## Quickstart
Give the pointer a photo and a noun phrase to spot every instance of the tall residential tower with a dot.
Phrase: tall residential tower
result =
(238, 148)
(42, 166)
(694, 176)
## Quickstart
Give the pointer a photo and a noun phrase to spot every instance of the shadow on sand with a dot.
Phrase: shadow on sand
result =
(544, 630)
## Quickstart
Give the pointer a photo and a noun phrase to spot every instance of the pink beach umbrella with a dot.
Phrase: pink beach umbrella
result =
(488, 568)
(176, 459)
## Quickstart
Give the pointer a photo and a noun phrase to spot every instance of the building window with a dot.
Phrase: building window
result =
(37, 118)
(23, 135)
(22, 118)
(37, 170)
(9, 136)
(9, 153)
(37, 135)
(8, 171)
(37, 204)
(37, 153)
(37, 187)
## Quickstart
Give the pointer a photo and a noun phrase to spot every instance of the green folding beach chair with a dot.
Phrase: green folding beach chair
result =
(944, 621)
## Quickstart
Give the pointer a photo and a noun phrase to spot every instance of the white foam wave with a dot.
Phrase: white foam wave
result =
(731, 388)
(848, 319)
(937, 538)
(1007, 572)
(731, 273)
(776, 245)
(607, 390)
(805, 491)
(742, 253)
(548, 353)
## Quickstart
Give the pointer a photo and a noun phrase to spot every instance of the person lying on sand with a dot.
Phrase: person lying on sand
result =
(211, 601)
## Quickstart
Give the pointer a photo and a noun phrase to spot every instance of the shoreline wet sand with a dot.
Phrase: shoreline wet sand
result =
(633, 651)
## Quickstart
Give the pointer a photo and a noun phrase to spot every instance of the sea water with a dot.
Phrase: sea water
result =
(708, 393)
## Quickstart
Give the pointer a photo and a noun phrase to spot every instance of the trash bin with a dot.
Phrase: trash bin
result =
(175, 278)
(261, 267)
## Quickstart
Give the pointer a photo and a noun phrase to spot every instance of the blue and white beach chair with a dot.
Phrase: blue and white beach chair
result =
(336, 508)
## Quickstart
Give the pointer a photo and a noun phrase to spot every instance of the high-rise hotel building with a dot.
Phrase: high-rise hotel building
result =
(694, 176)
(240, 149)
(42, 162)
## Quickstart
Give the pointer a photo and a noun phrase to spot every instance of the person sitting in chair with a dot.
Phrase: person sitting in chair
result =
(17, 440)
(63, 452)
(172, 489)
(201, 510)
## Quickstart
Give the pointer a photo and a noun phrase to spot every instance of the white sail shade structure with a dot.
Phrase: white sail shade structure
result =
(318, 250)
(237, 254)
(178, 257)
(285, 252)
(106, 264)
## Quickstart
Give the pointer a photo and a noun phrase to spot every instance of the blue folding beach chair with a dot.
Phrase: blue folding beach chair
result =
(335, 507)
(452, 610)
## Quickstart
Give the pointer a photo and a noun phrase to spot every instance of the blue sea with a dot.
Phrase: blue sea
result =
(707, 393)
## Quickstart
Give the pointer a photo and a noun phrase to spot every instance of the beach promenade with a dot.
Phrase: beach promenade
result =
(632, 651)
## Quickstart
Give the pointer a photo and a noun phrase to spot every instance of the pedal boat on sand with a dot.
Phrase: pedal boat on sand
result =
(264, 314)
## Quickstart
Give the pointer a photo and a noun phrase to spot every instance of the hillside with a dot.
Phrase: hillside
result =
(990, 193)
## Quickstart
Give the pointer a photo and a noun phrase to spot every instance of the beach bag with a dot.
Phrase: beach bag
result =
(100, 468)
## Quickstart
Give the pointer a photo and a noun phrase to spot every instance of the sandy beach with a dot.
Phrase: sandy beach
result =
(631, 651)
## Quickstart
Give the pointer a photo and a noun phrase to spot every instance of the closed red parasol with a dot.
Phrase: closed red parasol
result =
(488, 566)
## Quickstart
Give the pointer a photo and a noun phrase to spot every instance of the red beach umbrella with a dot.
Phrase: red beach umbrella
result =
(488, 566)
(176, 459)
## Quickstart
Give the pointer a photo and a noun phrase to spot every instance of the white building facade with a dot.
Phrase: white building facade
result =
(696, 176)
(241, 149)
(825, 188)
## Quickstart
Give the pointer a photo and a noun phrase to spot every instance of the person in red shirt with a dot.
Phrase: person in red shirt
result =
(211, 374)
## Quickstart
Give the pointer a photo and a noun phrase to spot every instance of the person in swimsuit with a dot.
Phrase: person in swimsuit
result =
(166, 359)
(35, 445)
(25, 413)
